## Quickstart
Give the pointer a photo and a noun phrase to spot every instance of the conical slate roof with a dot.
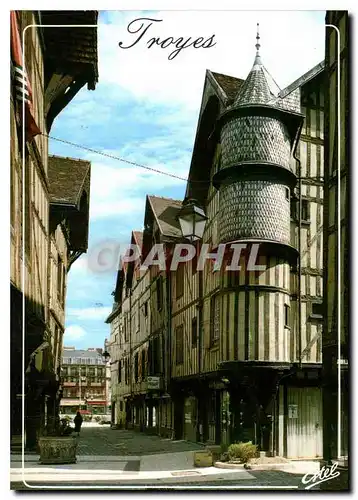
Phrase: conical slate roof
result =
(255, 90)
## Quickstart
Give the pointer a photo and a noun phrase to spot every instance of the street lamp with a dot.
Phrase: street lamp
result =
(106, 356)
(192, 220)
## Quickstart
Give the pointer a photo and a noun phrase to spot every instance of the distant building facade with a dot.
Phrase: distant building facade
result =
(84, 384)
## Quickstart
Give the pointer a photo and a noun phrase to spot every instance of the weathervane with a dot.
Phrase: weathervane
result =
(257, 40)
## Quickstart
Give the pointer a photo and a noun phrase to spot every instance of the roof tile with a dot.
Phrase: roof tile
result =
(73, 46)
(66, 179)
(229, 84)
(166, 211)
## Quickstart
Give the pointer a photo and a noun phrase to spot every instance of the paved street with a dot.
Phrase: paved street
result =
(123, 459)
(102, 440)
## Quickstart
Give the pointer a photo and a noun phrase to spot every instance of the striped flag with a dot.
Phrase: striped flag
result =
(21, 81)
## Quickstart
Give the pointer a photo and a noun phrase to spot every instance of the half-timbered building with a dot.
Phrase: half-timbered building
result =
(242, 348)
(337, 178)
(49, 224)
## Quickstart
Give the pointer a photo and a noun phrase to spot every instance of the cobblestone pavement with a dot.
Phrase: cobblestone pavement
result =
(102, 440)
(120, 459)
(258, 480)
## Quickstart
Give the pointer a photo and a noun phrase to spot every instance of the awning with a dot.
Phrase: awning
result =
(96, 403)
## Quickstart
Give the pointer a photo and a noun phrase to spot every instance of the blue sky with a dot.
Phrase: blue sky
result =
(145, 109)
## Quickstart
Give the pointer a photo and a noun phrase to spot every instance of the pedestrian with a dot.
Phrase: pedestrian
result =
(78, 422)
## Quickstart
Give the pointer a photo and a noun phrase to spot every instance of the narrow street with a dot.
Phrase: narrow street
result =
(124, 459)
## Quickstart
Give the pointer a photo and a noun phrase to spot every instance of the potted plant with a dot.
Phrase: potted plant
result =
(242, 452)
(58, 445)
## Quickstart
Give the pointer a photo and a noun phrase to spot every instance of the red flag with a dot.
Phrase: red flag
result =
(22, 84)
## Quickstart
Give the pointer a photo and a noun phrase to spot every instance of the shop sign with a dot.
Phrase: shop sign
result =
(153, 383)
(292, 411)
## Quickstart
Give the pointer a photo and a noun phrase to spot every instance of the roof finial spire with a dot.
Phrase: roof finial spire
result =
(257, 40)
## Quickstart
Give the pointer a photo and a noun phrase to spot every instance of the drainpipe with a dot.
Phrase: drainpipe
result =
(299, 280)
(168, 371)
(276, 413)
(168, 350)
(200, 320)
(200, 341)
(299, 301)
(130, 353)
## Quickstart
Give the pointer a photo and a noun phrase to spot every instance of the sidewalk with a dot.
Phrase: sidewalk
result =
(161, 462)
(118, 457)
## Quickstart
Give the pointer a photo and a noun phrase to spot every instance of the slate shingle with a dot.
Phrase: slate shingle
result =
(67, 177)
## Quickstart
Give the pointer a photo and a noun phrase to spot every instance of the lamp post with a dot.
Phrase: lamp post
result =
(106, 356)
(80, 387)
(192, 220)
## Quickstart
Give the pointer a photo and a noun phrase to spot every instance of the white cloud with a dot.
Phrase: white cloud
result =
(105, 208)
(176, 86)
(74, 332)
(148, 74)
(89, 313)
(80, 265)
(117, 189)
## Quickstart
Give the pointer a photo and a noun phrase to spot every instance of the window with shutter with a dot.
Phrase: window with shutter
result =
(136, 368)
(179, 280)
(215, 319)
(194, 332)
(287, 315)
(159, 293)
(179, 345)
(305, 214)
(144, 374)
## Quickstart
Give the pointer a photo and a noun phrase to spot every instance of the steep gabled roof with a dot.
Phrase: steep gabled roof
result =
(72, 49)
(138, 238)
(302, 80)
(229, 84)
(67, 178)
(166, 211)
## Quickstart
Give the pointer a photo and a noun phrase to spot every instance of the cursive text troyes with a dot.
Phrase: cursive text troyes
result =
(325, 474)
(141, 25)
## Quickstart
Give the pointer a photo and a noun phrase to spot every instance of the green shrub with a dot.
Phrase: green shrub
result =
(242, 451)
